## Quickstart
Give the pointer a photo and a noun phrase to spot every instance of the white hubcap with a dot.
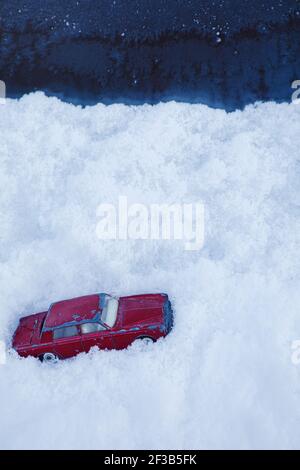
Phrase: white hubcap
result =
(49, 357)
(145, 341)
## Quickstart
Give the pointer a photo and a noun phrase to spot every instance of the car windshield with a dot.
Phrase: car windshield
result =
(110, 311)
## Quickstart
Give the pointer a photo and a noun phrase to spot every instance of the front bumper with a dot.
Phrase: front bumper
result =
(168, 316)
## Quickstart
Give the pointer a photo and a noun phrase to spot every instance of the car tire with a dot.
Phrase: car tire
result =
(146, 340)
(49, 358)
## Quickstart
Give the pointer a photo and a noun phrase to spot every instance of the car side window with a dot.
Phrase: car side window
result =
(65, 332)
(91, 328)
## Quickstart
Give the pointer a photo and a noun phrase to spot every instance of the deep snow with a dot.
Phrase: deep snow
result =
(224, 377)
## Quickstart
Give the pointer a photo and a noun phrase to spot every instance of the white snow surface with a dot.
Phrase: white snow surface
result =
(224, 377)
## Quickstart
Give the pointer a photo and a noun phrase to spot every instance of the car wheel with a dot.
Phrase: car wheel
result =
(49, 358)
(146, 340)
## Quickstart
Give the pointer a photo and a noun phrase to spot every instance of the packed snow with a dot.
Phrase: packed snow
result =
(224, 377)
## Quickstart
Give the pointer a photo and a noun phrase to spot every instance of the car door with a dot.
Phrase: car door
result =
(125, 337)
(67, 341)
(95, 334)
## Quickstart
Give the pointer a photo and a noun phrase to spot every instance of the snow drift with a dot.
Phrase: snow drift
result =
(224, 377)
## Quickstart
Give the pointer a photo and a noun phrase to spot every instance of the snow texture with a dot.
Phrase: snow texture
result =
(224, 377)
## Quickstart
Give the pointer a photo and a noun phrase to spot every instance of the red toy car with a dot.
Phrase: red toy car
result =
(73, 326)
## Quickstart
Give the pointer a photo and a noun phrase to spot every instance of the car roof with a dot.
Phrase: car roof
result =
(73, 311)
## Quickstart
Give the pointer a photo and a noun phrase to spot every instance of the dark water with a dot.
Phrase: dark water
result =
(222, 53)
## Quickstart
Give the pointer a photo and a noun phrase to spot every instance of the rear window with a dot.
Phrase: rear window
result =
(65, 332)
(110, 312)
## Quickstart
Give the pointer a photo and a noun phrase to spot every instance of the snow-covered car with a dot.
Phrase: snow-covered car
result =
(73, 326)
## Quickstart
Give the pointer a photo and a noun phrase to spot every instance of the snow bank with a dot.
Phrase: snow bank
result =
(224, 378)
